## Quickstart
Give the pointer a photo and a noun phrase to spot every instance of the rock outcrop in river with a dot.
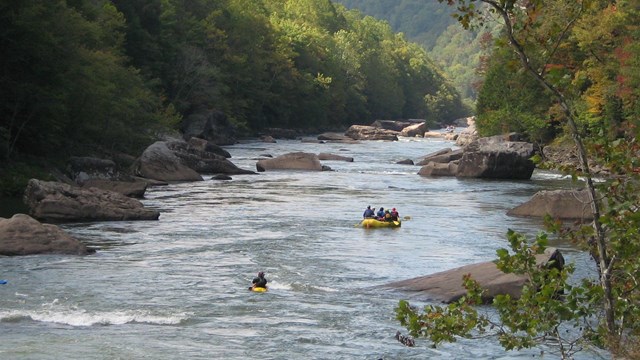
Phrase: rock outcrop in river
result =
(559, 204)
(447, 286)
(23, 235)
(362, 132)
(291, 161)
(57, 202)
(158, 162)
(495, 157)
(176, 160)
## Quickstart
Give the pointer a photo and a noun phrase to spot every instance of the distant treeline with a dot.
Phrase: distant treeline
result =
(81, 76)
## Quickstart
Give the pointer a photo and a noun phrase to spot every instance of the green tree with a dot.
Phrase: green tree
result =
(510, 100)
(540, 34)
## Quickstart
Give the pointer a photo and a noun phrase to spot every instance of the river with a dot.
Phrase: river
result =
(176, 288)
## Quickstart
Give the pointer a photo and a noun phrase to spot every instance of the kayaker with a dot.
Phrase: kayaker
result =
(260, 280)
(368, 213)
(380, 214)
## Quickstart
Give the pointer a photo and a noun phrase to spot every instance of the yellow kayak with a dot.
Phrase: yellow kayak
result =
(374, 223)
(258, 289)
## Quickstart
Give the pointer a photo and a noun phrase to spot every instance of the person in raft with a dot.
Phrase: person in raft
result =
(368, 213)
(387, 216)
(380, 214)
(259, 281)
(394, 214)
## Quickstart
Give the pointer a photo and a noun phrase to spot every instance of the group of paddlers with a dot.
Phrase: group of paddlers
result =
(382, 214)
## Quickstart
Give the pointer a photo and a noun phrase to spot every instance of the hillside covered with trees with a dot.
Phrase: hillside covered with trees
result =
(457, 52)
(82, 77)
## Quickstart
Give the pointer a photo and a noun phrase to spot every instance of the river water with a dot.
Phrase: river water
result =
(176, 288)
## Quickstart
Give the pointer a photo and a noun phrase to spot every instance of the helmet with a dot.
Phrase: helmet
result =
(394, 209)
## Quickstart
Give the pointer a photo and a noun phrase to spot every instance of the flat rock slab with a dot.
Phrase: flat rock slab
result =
(447, 286)
(291, 161)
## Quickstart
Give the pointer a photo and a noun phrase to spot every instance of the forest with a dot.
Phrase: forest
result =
(458, 52)
(83, 77)
(103, 78)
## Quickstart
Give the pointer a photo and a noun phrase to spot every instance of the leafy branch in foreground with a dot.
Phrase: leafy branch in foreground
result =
(549, 310)
(555, 45)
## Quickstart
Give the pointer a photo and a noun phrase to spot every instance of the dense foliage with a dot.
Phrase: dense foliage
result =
(457, 52)
(81, 76)
(592, 67)
(579, 53)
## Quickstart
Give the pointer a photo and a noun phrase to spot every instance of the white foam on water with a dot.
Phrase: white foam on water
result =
(53, 313)
(273, 285)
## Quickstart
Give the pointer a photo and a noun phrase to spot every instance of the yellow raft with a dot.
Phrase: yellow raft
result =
(258, 289)
(374, 223)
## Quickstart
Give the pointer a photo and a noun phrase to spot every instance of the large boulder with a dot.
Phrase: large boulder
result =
(291, 161)
(23, 235)
(559, 204)
(414, 130)
(58, 202)
(158, 162)
(203, 161)
(361, 132)
(447, 286)
(497, 158)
